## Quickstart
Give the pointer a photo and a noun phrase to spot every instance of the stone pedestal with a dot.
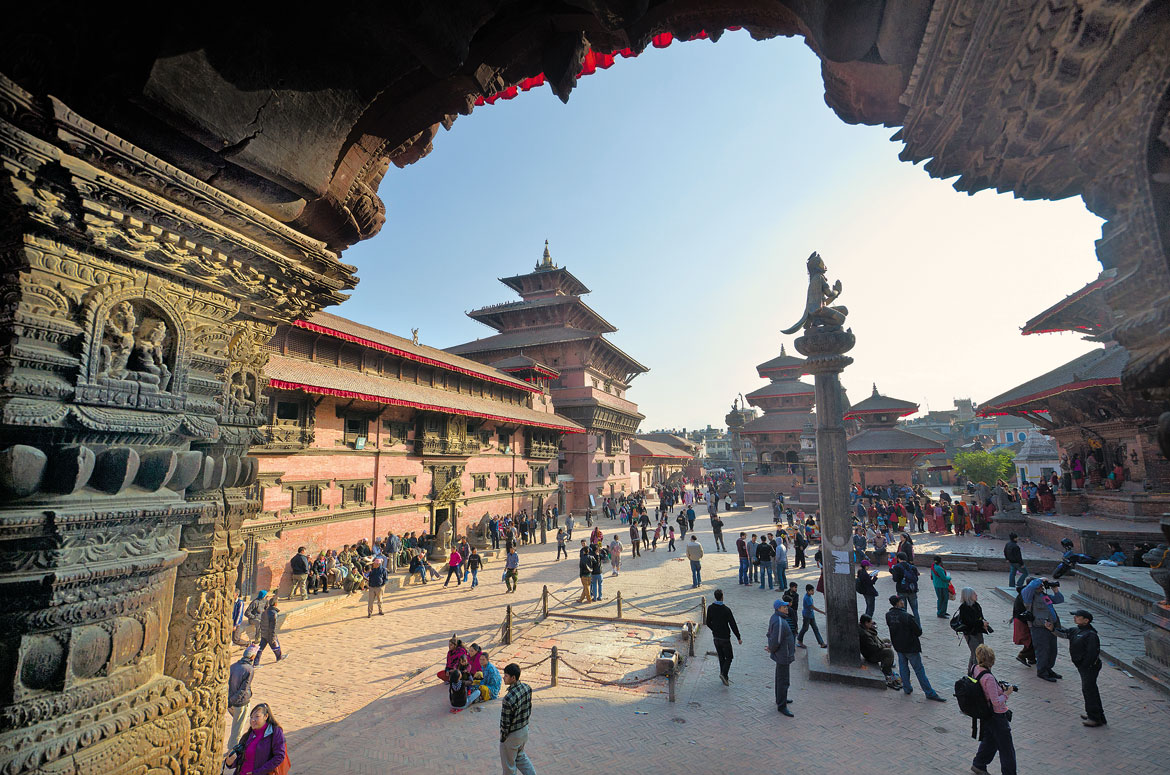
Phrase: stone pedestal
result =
(137, 301)
(825, 347)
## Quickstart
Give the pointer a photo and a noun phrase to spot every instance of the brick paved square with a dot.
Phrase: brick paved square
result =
(360, 696)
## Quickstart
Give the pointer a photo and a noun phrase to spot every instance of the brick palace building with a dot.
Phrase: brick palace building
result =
(370, 433)
(557, 331)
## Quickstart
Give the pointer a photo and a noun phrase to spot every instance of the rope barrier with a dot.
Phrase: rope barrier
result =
(635, 682)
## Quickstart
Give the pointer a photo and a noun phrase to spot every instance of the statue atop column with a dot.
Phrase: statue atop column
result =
(817, 312)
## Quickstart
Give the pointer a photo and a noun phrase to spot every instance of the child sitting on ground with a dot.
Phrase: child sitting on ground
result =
(461, 692)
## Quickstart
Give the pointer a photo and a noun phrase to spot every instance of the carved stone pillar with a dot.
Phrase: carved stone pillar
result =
(134, 303)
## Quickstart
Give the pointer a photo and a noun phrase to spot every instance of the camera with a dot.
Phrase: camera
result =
(1005, 686)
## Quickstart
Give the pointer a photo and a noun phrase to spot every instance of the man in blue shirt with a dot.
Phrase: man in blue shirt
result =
(512, 570)
(377, 581)
(808, 611)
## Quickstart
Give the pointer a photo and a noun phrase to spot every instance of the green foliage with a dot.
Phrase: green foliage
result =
(986, 466)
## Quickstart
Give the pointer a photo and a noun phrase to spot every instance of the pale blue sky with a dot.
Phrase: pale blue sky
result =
(686, 187)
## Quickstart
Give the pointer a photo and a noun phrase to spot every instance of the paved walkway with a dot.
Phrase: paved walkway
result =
(359, 696)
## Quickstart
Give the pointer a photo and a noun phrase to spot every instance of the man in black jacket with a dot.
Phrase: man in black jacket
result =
(722, 624)
(240, 692)
(300, 572)
(1015, 558)
(904, 636)
(1084, 646)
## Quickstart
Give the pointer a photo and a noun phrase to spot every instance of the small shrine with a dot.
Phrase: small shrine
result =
(881, 452)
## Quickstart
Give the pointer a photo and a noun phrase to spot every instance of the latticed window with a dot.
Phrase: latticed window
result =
(503, 482)
(354, 493)
(400, 486)
(521, 480)
(479, 482)
(306, 496)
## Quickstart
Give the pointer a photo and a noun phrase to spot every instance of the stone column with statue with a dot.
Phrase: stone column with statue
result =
(825, 342)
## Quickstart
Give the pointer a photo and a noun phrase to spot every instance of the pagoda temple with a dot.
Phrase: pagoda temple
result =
(551, 331)
(1109, 430)
(787, 403)
(881, 452)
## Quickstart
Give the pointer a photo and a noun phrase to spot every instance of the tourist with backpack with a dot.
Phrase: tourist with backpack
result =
(984, 699)
(906, 583)
(969, 622)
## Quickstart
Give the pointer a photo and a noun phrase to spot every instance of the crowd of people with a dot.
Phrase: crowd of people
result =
(883, 526)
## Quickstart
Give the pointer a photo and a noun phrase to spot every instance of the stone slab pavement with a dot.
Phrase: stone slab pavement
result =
(359, 695)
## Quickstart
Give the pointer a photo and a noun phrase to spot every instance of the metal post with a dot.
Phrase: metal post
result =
(670, 684)
(554, 665)
(702, 610)
(690, 639)
(544, 603)
(619, 603)
(508, 627)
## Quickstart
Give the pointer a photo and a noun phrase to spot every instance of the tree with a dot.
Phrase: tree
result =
(986, 466)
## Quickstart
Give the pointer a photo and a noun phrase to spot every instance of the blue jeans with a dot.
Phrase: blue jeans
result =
(595, 586)
(766, 570)
(781, 575)
(466, 570)
(1013, 568)
(475, 578)
(806, 622)
(743, 570)
(905, 661)
(911, 599)
(696, 577)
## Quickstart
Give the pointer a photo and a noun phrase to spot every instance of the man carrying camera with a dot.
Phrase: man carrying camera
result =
(1040, 596)
(1084, 647)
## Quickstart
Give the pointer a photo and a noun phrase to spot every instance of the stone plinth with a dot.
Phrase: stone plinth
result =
(857, 674)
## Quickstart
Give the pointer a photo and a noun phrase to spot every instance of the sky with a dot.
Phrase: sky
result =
(685, 188)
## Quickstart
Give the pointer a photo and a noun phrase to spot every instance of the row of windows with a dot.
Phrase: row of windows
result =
(308, 495)
(601, 467)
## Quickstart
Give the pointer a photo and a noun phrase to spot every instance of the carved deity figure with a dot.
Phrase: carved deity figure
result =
(148, 358)
(119, 341)
(238, 390)
(817, 312)
(983, 493)
(414, 336)
(1158, 560)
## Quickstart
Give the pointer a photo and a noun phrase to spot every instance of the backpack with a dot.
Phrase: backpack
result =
(910, 578)
(972, 701)
(957, 625)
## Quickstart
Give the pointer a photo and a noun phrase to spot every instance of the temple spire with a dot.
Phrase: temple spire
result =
(546, 260)
(782, 353)
(875, 389)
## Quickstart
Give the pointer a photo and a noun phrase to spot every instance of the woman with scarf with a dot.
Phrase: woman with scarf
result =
(262, 749)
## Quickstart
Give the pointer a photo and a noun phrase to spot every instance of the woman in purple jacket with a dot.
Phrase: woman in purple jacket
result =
(261, 749)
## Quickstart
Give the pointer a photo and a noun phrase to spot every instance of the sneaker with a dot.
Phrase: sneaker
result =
(824, 645)
(1021, 660)
(936, 697)
(784, 711)
(979, 770)
(1055, 674)
(1093, 723)
(1048, 678)
(726, 681)
(800, 645)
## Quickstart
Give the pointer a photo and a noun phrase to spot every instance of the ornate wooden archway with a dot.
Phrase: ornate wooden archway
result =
(174, 186)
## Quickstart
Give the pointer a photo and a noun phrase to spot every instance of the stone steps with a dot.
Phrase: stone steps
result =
(1089, 534)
